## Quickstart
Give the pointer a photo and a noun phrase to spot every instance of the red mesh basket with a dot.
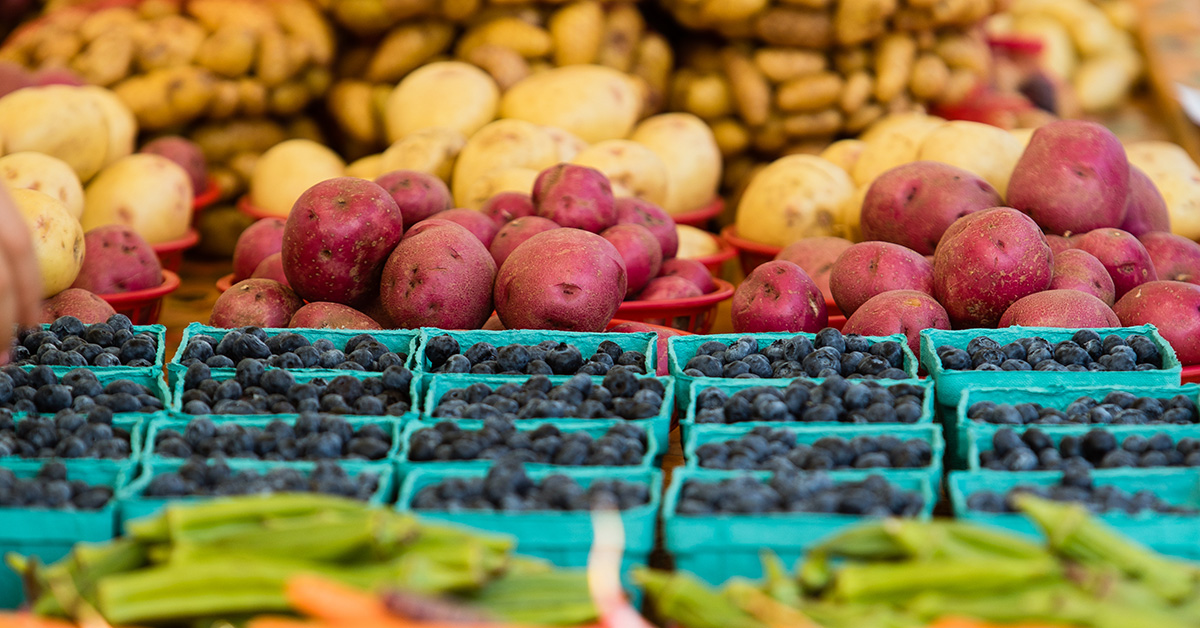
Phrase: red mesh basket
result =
(210, 195)
(663, 334)
(143, 306)
(170, 254)
(225, 283)
(694, 314)
(1191, 374)
(715, 261)
(700, 217)
(750, 254)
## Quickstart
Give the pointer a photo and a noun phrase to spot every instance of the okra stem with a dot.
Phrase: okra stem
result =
(899, 581)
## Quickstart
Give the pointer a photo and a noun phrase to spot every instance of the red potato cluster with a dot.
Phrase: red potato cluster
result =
(452, 268)
(116, 259)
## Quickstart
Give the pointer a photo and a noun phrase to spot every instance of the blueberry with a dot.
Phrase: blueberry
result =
(954, 359)
(980, 343)
(832, 338)
(65, 326)
(220, 362)
(277, 381)
(758, 364)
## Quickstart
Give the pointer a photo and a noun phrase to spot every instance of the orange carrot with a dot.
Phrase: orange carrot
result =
(331, 601)
(276, 621)
(966, 622)
(27, 620)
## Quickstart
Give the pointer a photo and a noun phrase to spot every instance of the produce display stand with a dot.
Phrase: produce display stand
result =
(144, 306)
(170, 254)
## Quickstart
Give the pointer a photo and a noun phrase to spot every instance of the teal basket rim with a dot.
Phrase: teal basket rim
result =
(55, 525)
(160, 339)
(151, 380)
(1064, 395)
(442, 383)
(1056, 432)
(414, 387)
(646, 342)
(135, 423)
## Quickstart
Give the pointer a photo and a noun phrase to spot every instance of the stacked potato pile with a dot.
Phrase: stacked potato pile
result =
(509, 39)
(795, 73)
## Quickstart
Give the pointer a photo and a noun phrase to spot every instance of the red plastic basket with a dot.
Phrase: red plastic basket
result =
(225, 283)
(1191, 374)
(694, 314)
(715, 261)
(245, 206)
(210, 195)
(750, 254)
(143, 306)
(170, 254)
(700, 217)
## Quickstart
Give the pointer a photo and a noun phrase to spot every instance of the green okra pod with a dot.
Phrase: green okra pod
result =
(685, 600)
(899, 581)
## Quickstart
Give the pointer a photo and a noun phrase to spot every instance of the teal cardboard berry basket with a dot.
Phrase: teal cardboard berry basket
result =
(979, 438)
(680, 349)
(397, 340)
(717, 547)
(586, 342)
(49, 534)
(152, 381)
(160, 340)
(176, 405)
(390, 426)
(594, 427)
(930, 434)
(1057, 396)
(688, 423)
(1172, 534)
(562, 537)
(132, 503)
(659, 424)
(135, 424)
(950, 384)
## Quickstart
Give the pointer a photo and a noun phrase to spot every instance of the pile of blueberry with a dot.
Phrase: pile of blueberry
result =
(69, 342)
(51, 488)
(216, 478)
(548, 357)
(1116, 408)
(1085, 351)
(68, 434)
(1034, 450)
(797, 492)
(506, 487)
(39, 390)
(834, 400)
(1076, 486)
(289, 351)
(829, 354)
(764, 448)
(256, 390)
(311, 437)
(622, 445)
(622, 395)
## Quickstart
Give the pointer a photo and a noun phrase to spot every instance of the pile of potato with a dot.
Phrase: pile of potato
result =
(175, 63)
(509, 40)
(1088, 44)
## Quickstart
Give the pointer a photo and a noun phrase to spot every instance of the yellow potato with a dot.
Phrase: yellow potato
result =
(369, 167)
(58, 120)
(501, 144)
(593, 102)
(1058, 51)
(695, 242)
(429, 150)
(795, 197)
(631, 165)
(49, 175)
(1177, 178)
(57, 239)
(285, 171)
(688, 149)
(986, 150)
(852, 215)
(148, 193)
(1023, 136)
(897, 121)
(896, 145)
(449, 94)
(566, 145)
(844, 153)
(121, 124)
(496, 181)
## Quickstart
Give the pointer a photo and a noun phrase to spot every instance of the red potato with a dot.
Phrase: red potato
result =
(271, 268)
(58, 76)
(871, 268)
(476, 222)
(116, 259)
(1060, 308)
(506, 207)
(419, 195)
(575, 196)
(378, 313)
(561, 279)
(816, 256)
(898, 312)
(1146, 210)
(1175, 257)
(778, 296)
(442, 278)
(1125, 259)
(84, 305)
(184, 152)
(427, 224)
(636, 211)
(14, 76)
(913, 204)
(338, 239)
(667, 288)
(986, 262)
(663, 368)
(255, 303)
(1072, 178)
(324, 315)
(639, 250)
(1172, 307)
(1058, 243)
(690, 269)
(259, 241)
(515, 233)
(1079, 270)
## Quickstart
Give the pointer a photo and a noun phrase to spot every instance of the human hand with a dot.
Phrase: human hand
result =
(20, 278)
